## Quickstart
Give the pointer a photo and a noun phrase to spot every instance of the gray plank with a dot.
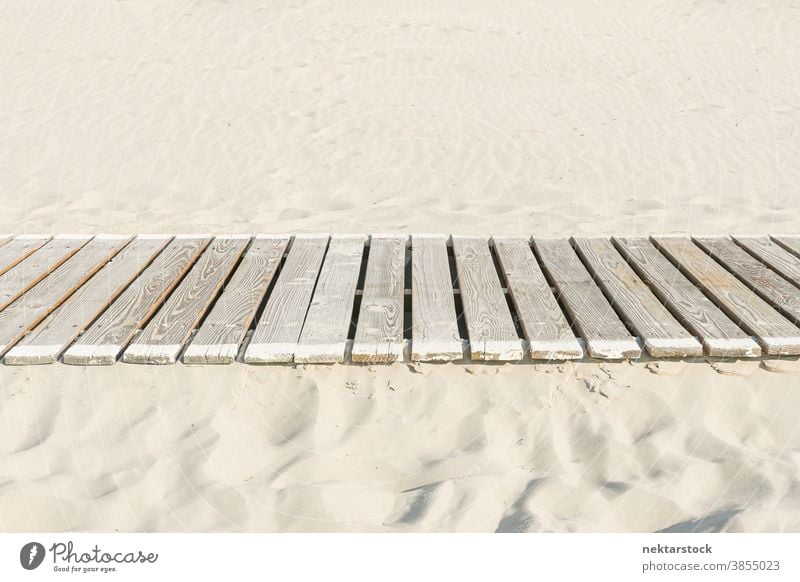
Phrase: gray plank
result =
(165, 335)
(49, 339)
(773, 255)
(324, 336)
(758, 277)
(605, 335)
(222, 332)
(434, 328)
(662, 335)
(15, 250)
(490, 327)
(544, 325)
(776, 334)
(379, 333)
(113, 330)
(46, 295)
(278, 329)
(25, 274)
(720, 336)
(789, 242)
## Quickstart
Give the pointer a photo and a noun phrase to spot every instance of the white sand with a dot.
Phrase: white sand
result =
(431, 116)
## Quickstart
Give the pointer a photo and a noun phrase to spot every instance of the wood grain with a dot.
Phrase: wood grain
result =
(544, 325)
(324, 336)
(15, 250)
(164, 337)
(46, 295)
(46, 343)
(758, 277)
(35, 267)
(490, 327)
(379, 334)
(720, 336)
(773, 255)
(662, 335)
(434, 328)
(774, 332)
(278, 329)
(108, 336)
(605, 335)
(222, 332)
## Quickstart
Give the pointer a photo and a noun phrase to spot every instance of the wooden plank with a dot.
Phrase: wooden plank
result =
(15, 250)
(45, 343)
(662, 335)
(379, 333)
(720, 336)
(544, 325)
(324, 336)
(773, 255)
(434, 328)
(789, 242)
(278, 329)
(34, 268)
(490, 327)
(776, 334)
(605, 335)
(164, 337)
(758, 277)
(222, 332)
(46, 295)
(109, 335)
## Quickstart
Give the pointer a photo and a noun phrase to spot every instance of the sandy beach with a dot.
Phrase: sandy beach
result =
(554, 119)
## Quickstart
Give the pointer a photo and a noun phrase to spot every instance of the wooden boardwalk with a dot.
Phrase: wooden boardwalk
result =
(325, 299)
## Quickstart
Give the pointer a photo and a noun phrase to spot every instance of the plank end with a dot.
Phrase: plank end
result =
(332, 353)
(496, 351)
(151, 354)
(211, 354)
(89, 355)
(622, 349)
(781, 346)
(673, 347)
(436, 351)
(32, 355)
(565, 349)
(270, 353)
(378, 353)
(732, 348)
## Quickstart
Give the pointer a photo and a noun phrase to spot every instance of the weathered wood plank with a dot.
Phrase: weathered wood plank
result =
(662, 335)
(278, 329)
(776, 334)
(434, 328)
(46, 342)
(324, 336)
(164, 337)
(46, 295)
(222, 332)
(758, 277)
(789, 242)
(34, 268)
(379, 334)
(108, 336)
(773, 255)
(15, 250)
(605, 335)
(720, 336)
(547, 330)
(490, 327)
